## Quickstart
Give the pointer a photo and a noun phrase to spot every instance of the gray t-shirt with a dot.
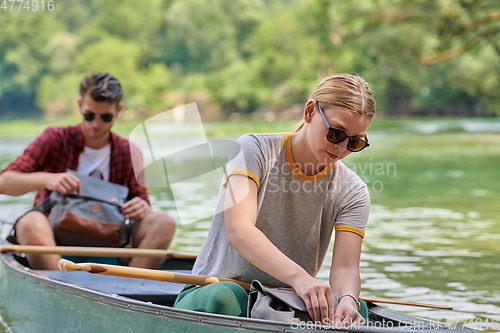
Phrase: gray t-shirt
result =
(296, 212)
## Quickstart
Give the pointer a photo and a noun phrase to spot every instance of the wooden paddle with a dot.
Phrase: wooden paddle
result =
(97, 251)
(142, 273)
(151, 274)
(391, 301)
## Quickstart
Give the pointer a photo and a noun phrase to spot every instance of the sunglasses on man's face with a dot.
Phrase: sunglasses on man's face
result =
(90, 116)
(336, 135)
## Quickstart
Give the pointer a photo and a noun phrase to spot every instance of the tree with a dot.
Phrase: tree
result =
(23, 58)
(206, 35)
(419, 56)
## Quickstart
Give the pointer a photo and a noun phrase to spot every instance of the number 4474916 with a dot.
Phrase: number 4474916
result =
(27, 5)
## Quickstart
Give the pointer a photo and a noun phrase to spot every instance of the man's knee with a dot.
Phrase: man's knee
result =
(34, 229)
(34, 223)
(161, 222)
(155, 230)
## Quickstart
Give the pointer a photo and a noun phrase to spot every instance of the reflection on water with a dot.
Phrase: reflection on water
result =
(417, 254)
(433, 231)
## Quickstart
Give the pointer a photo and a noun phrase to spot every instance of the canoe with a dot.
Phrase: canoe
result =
(56, 301)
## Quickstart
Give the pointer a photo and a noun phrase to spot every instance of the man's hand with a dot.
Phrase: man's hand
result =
(63, 183)
(136, 209)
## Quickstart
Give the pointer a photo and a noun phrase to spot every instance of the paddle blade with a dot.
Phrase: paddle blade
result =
(69, 266)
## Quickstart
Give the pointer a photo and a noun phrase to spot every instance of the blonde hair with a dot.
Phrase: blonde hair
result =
(344, 90)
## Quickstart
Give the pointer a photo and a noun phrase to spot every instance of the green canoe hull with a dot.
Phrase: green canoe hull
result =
(35, 301)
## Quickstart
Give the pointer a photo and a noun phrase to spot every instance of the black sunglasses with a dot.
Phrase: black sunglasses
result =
(107, 117)
(336, 135)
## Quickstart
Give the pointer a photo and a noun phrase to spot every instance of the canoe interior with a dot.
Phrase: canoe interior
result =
(165, 293)
(157, 292)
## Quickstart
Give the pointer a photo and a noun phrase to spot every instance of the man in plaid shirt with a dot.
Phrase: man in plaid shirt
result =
(91, 149)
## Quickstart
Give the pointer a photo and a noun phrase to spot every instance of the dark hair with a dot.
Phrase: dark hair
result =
(102, 87)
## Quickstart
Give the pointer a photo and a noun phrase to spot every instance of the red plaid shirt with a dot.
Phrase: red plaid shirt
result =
(57, 149)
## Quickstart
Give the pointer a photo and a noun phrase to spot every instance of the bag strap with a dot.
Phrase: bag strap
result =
(45, 206)
(79, 196)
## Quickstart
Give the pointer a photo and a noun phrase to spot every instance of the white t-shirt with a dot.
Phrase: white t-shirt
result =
(95, 162)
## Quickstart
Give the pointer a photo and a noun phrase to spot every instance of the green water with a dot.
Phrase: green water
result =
(434, 229)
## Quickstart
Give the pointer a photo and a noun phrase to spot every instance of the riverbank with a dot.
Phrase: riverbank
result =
(31, 127)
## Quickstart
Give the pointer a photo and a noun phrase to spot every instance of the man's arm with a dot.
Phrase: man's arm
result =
(135, 175)
(137, 206)
(27, 173)
(17, 183)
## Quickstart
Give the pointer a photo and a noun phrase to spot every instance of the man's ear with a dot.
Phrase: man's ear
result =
(119, 108)
(79, 102)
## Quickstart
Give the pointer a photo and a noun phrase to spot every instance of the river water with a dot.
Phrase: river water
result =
(433, 234)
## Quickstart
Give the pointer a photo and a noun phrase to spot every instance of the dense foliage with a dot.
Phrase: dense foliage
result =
(421, 57)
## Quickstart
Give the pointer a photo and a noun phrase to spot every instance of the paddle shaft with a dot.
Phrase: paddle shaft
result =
(96, 251)
(390, 301)
(151, 274)
(142, 273)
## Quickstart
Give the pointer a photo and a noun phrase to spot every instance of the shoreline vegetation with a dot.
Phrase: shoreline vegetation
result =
(424, 125)
(250, 56)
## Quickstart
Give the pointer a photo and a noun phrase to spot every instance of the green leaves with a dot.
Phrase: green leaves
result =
(419, 56)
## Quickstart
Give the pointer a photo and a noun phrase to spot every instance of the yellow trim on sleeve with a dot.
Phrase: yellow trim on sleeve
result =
(295, 169)
(357, 231)
(243, 172)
